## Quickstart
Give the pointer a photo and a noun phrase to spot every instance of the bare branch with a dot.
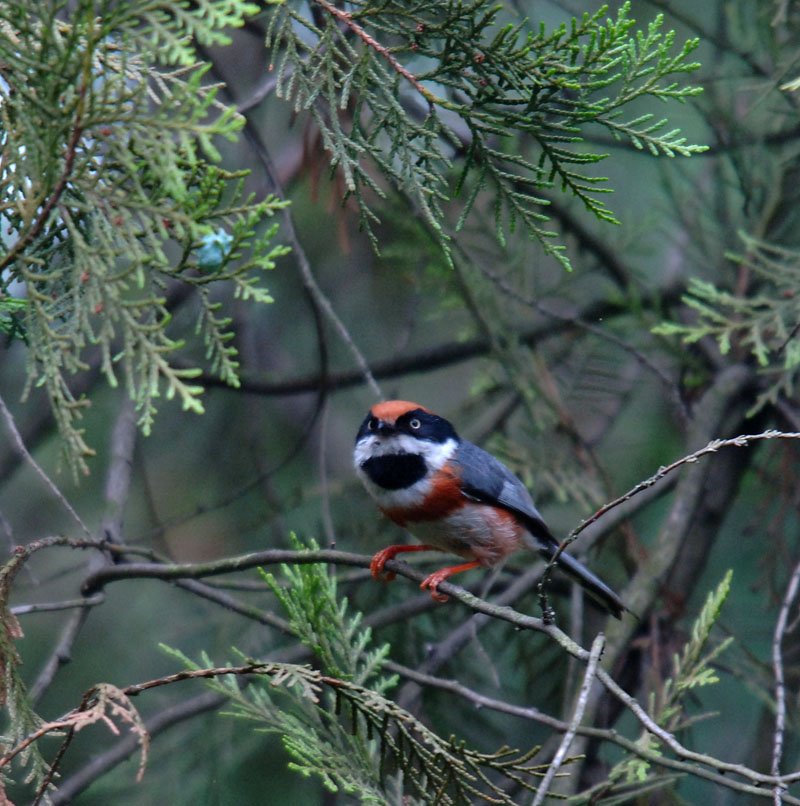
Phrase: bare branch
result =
(227, 565)
(22, 553)
(475, 603)
(742, 441)
(320, 300)
(51, 607)
(780, 682)
(577, 716)
(16, 438)
(234, 605)
(438, 357)
(603, 734)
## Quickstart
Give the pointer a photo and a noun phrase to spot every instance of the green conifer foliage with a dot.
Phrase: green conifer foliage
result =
(449, 99)
(109, 197)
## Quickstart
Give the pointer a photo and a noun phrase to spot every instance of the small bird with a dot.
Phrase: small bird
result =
(454, 497)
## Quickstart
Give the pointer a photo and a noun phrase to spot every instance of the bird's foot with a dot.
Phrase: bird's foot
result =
(431, 584)
(379, 560)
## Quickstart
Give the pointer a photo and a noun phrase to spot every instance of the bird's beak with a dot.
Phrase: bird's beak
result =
(385, 429)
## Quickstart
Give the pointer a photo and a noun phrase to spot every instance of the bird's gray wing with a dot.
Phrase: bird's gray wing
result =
(489, 481)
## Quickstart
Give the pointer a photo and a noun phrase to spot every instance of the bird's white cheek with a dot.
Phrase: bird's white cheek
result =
(365, 448)
(434, 453)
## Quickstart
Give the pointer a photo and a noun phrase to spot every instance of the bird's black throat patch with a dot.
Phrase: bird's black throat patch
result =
(395, 471)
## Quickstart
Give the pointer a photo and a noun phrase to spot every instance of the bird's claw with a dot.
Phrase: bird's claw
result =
(431, 583)
(379, 561)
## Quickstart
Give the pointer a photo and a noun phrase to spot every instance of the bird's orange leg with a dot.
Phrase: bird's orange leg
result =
(389, 553)
(432, 582)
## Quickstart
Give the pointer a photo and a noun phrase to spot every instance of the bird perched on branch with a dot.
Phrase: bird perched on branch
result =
(454, 497)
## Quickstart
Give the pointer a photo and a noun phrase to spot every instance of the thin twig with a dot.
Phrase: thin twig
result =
(780, 682)
(603, 734)
(16, 438)
(320, 300)
(198, 674)
(234, 605)
(34, 736)
(47, 781)
(348, 20)
(50, 607)
(574, 724)
(50, 202)
(741, 441)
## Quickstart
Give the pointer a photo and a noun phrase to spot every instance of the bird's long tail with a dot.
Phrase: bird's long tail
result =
(592, 584)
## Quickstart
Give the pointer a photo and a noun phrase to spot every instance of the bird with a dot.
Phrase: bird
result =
(454, 497)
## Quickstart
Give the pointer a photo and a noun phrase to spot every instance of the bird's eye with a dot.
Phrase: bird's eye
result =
(415, 423)
(372, 423)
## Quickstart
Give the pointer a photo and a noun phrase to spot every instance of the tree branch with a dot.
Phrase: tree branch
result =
(50, 202)
(174, 572)
(348, 20)
(475, 603)
(780, 682)
(444, 355)
(574, 724)
(16, 439)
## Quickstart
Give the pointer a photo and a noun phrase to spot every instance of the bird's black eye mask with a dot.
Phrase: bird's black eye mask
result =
(369, 426)
(417, 423)
(424, 425)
